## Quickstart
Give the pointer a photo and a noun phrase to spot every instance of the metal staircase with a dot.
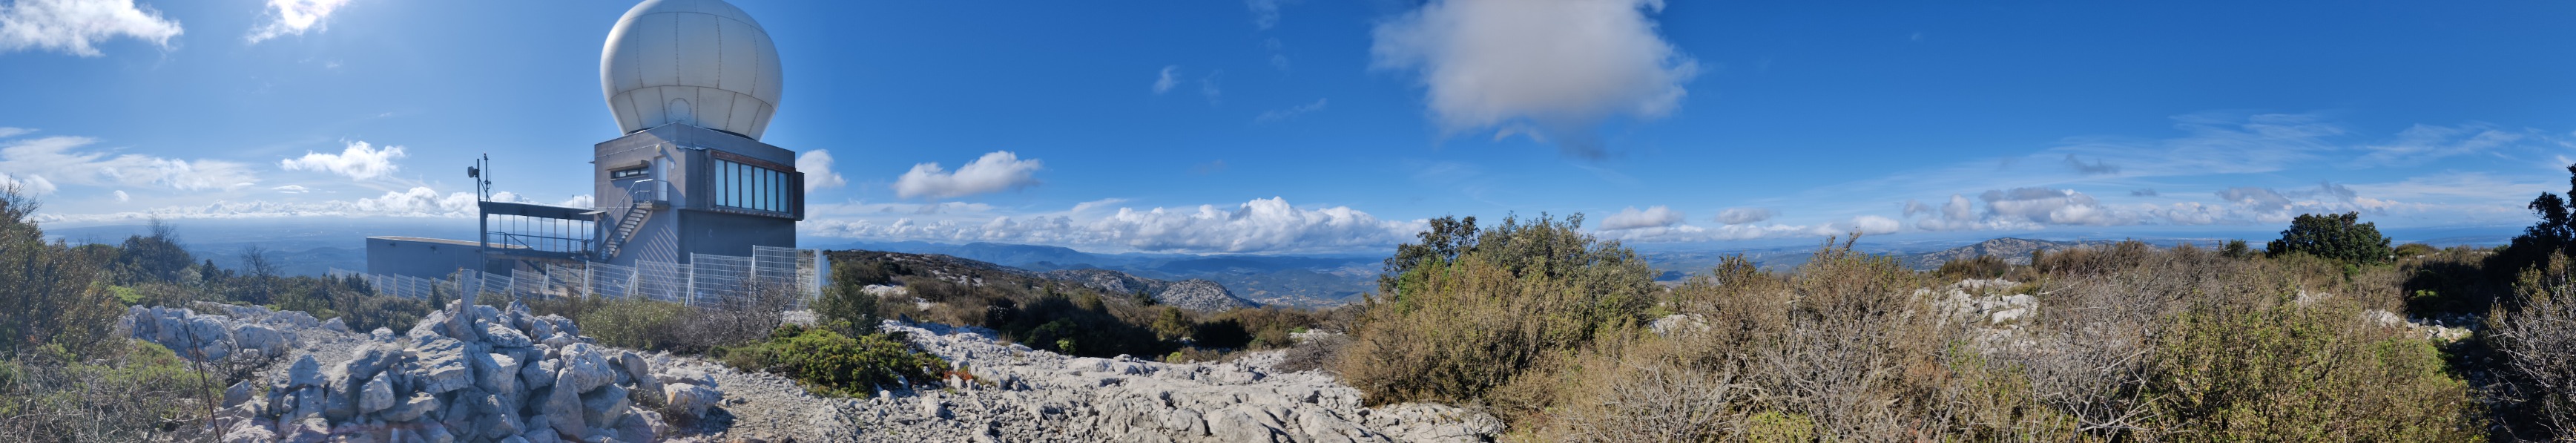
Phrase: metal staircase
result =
(626, 227)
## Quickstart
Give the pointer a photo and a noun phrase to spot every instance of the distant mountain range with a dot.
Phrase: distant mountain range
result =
(2012, 250)
(1292, 280)
(1199, 295)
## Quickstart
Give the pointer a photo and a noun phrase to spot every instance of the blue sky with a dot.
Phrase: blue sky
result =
(1276, 126)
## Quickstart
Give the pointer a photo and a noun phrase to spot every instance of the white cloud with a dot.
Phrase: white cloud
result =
(2018, 208)
(1289, 112)
(1653, 217)
(28, 184)
(414, 202)
(294, 17)
(1265, 13)
(1737, 216)
(994, 172)
(74, 26)
(358, 161)
(55, 158)
(292, 189)
(1208, 87)
(1169, 78)
(1261, 225)
(2427, 142)
(2039, 208)
(121, 197)
(6, 132)
(817, 166)
(1096, 204)
(1562, 65)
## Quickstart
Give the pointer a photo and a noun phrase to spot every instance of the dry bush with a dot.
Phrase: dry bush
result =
(2131, 344)
(2538, 341)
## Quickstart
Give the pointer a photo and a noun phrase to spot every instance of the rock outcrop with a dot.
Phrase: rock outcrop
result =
(1193, 294)
(226, 331)
(1017, 394)
(465, 373)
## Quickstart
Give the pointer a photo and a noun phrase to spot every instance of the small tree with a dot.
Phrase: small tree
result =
(846, 304)
(2333, 236)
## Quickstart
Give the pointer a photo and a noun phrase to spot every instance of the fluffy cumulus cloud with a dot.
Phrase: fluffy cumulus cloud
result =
(817, 166)
(2018, 208)
(293, 17)
(1561, 65)
(76, 26)
(994, 172)
(1261, 225)
(61, 159)
(121, 197)
(357, 161)
(1652, 217)
(1738, 216)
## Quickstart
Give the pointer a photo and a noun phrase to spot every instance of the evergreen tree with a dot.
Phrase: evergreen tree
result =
(2334, 236)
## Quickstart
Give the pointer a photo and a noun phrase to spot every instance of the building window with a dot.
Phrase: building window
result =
(627, 173)
(743, 186)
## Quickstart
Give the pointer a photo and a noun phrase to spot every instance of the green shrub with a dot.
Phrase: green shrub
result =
(1458, 329)
(846, 306)
(828, 363)
(2333, 236)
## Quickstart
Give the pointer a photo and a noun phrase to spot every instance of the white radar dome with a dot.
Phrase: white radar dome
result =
(698, 62)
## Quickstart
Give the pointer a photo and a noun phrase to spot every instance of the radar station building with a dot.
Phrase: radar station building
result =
(692, 85)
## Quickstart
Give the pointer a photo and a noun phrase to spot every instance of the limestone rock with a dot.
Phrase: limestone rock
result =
(605, 406)
(502, 335)
(442, 363)
(690, 399)
(306, 372)
(376, 395)
(539, 374)
(563, 409)
(646, 384)
(413, 408)
(336, 325)
(496, 372)
(585, 367)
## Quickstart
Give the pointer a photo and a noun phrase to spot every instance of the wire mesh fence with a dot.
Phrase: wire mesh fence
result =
(707, 280)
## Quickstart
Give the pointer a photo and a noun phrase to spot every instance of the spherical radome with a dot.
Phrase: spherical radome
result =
(697, 62)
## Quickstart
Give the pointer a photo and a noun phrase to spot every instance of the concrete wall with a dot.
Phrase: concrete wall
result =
(680, 160)
(420, 257)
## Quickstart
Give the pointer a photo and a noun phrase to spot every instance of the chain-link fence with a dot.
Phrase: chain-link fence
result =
(707, 280)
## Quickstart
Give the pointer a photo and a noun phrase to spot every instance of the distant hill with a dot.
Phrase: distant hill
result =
(1293, 280)
(2012, 250)
(1195, 294)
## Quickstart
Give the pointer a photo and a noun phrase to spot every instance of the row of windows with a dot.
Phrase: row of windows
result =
(627, 173)
(750, 187)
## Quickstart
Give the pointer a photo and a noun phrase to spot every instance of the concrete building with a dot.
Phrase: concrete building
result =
(692, 84)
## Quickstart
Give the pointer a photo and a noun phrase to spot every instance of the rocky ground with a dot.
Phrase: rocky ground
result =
(424, 385)
(1018, 394)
